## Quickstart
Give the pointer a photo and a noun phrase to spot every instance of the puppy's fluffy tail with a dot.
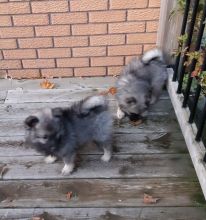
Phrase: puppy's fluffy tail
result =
(154, 54)
(94, 103)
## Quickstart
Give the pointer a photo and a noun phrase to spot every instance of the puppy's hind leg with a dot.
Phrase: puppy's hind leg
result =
(107, 147)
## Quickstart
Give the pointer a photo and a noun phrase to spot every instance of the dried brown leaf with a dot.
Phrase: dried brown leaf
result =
(112, 90)
(69, 195)
(3, 171)
(46, 84)
(149, 199)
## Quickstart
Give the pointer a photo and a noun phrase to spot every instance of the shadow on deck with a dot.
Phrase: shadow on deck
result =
(151, 158)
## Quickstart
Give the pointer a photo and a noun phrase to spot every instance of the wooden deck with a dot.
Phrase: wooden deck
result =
(151, 158)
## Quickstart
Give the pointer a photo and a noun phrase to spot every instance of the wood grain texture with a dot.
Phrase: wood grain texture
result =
(21, 110)
(164, 123)
(152, 143)
(90, 166)
(150, 158)
(143, 213)
(97, 193)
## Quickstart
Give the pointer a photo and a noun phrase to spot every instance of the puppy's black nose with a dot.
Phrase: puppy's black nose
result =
(134, 117)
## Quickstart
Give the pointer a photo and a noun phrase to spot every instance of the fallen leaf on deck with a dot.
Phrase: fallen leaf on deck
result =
(149, 199)
(69, 195)
(3, 171)
(47, 85)
(112, 90)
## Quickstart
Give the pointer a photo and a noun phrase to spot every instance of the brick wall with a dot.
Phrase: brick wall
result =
(61, 38)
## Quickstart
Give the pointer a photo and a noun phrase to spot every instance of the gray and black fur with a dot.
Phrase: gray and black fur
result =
(141, 84)
(59, 133)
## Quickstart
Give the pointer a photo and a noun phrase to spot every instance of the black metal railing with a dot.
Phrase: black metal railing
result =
(193, 27)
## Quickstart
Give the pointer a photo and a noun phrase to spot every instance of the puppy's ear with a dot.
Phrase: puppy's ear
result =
(31, 121)
(131, 100)
(57, 112)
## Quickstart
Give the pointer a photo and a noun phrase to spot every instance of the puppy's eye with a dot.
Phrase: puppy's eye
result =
(45, 137)
(131, 101)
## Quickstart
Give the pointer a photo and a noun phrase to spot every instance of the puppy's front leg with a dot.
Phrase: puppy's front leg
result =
(50, 159)
(69, 164)
(120, 113)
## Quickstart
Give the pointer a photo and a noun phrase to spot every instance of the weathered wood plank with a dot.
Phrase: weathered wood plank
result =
(98, 193)
(55, 95)
(64, 83)
(3, 95)
(22, 109)
(154, 143)
(143, 213)
(90, 166)
(163, 123)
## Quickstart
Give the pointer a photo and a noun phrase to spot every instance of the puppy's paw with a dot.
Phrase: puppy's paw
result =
(50, 159)
(67, 169)
(120, 113)
(106, 156)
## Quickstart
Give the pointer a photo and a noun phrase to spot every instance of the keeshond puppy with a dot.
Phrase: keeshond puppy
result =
(141, 84)
(59, 133)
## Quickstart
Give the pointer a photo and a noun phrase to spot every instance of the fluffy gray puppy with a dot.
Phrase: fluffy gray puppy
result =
(59, 133)
(141, 84)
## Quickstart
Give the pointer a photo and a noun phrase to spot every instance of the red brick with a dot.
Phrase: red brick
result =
(89, 29)
(49, 6)
(10, 64)
(90, 71)
(8, 43)
(107, 40)
(24, 73)
(29, 20)
(70, 41)
(12, 32)
(69, 18)
(57, 30)
(149, 47)
(152, 26)
(107, 61)
(128, 59)
(154, 3)
(57, 72)
(5, 21)
(14, 8)
(124, 50)
(143, 14)
(54, 52)
(85, 5)
(127, 27)
(107, 16)
(19, 54)
(38, 63)
(89, 51)
(72, 62)
(141, 38)
(35, 42)
(114, 70)
(126, 4)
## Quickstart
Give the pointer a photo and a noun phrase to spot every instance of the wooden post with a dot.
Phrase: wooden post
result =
(168, 30)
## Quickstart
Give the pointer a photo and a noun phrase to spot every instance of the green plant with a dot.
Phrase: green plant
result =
(198, 74)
